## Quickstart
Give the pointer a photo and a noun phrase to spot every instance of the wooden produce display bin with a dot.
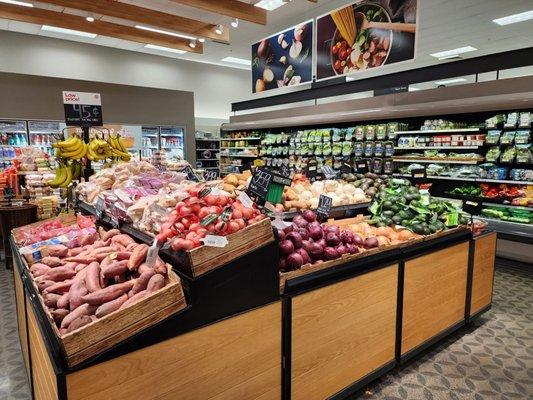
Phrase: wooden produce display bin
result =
(483, 262)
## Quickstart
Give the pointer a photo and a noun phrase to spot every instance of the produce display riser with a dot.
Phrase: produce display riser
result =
(51, 378)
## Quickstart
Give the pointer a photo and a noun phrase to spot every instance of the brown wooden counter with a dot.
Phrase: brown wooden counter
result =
(483, 262)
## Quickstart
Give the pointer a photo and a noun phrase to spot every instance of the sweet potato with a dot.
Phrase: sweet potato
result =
(160, 267)
(110, 306)
(120, 278)
(134, 299)
(44, 284)
(138, 255)
(114, 269)
(109, 234)
(51, 261)
(92, 277)
(57, 250)
(122, 255)
(63, 301)
(50, 300)
(80, 275)
(80, 267)
(122, 239)
(59, 314)
(75, 251)
(156, 282)
(79, 322)
(71, 264)
(39, 269)
(144, 268)
(84, 309)
(103, 250)
(77, 290)
(107, 294)
(131, 246)
(88, 239)
(59, 274)
(142, 281)
(59, 287)
(81, 259)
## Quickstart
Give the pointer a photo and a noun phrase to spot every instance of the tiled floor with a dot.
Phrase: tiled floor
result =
(492, 360)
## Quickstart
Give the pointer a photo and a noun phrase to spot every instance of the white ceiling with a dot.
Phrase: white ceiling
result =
(442, 25)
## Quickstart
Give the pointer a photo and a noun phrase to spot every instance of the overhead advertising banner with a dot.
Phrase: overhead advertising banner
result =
(283, 59)
(365, 35)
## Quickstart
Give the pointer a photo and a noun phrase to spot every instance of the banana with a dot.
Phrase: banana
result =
(121, 145)
(69, 145)
(59, 178)
(68, 177)
(77, 153)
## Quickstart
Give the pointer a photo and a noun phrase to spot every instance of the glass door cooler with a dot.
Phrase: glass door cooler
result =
(41, 134)
(13, 135)
(150, 141)
(172, 141)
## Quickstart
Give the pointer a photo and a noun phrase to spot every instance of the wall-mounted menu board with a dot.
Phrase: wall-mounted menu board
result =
(283, 59)
(350, 39)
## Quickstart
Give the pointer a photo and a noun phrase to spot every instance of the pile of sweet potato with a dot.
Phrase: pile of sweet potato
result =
(82, 284)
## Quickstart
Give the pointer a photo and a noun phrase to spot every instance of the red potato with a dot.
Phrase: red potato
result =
(114, 269)
(110, 306)
(63, 301)
(134, 299)
(142, 281)
(85, 309)
(156, 282)
(42, 285)
(39, 269)
(50, 300)
(92, 277)
(79, 322)
(76, 292)
(59, 287)
(59, 274)
(51, 261)
(109, 234)
(107, 294)
(138, 255)
(59, 314)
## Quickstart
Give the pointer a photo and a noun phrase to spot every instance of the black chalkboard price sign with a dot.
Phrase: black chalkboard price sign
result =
(324, 206)
(361, 166)
(260, 182)
(472, 207)
(191, 176)
(311, 170)
(418, 173)
(285, 171)
(82, 109)
(346, 168)
(210, 175)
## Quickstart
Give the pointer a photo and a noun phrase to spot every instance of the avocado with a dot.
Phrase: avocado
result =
(371, 191)
(371, 175)
(417, 228)
(387, 221)
(388, 213)
(387, 205)
(397, 219)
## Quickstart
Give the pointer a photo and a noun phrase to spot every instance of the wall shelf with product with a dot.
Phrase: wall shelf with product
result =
(238, 149)
(207, 151)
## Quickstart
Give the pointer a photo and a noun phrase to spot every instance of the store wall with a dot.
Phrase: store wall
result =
(214, 87)
(39, 97)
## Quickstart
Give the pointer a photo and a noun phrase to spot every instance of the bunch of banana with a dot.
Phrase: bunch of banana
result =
(72, 148)
(77, 170)
(118, 149)
(98, 150)
(63, 176)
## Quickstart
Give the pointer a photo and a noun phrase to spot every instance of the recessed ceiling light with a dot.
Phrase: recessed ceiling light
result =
(413, 89)
(201, 40)
(192, 44)
(162, 48)
(56, 29)
(513, 19)
(147, 28)
(17, 3)
(219, 30)
(270, 5)
(89, 18)
(442, 55)
(235, 23)
(447, 81)
(235, 60)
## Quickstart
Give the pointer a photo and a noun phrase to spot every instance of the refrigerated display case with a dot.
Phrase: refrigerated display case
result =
(13, 135)
(41, 134)
(171, 140)
(150, 140)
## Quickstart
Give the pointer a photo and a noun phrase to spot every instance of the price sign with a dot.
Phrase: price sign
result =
(324, 206)
(328, 172)
(210, 175)
(151, 256)
(245, 200)
(472, 207)
(82, 108)
(346, 168)
(260, 182)
(9, 193)
(191, 176)
(311, 171)
(361, 166)
(215, 241)
(285, 171)
(418, 173)
(100, 206)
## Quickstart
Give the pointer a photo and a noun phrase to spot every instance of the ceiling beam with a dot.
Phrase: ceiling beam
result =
(145, 16)
(230, 8)
(69, 21)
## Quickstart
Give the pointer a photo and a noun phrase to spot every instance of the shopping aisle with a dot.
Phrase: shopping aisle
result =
(493, 360)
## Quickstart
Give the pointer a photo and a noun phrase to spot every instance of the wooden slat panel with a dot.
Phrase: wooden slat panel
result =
(483, 273)
(21, 318)
(146, 16)
(230, 8)
(238, 358)
(68, 21)
(342, 332)
(44, 378)
(434, 294)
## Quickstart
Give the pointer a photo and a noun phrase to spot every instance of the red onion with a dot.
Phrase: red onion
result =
(286, 247)
(332, 229)
(352, 248)
(309, 216)
(330, 253)
(358, 240)
(315, 223)
(332, 239)
(288, 229)
(303, 233)
(347, 236)
(315, 232)
(322, 242)
(315, 251)
(300, 221)
(295, 238)
(341, 249)
(304, 255)
(280, 234)
(371, 242)
(295, 260)
(306, 245)
(282, 264)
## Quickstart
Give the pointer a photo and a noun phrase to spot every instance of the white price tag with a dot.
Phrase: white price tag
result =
(151, 256)
(215, 241)
(278, 223)
(219, 192)
(245, 200)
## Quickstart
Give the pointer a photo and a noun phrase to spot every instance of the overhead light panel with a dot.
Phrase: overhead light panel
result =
(147, 28)
(413, 89)
(235, 60)
(443, 55)
(56, 29)
(235, 23)
(515, 18)
(89, 18)
(270, 5)
(447, 81)
(17, 3)
(219, 30)
(162, 48)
